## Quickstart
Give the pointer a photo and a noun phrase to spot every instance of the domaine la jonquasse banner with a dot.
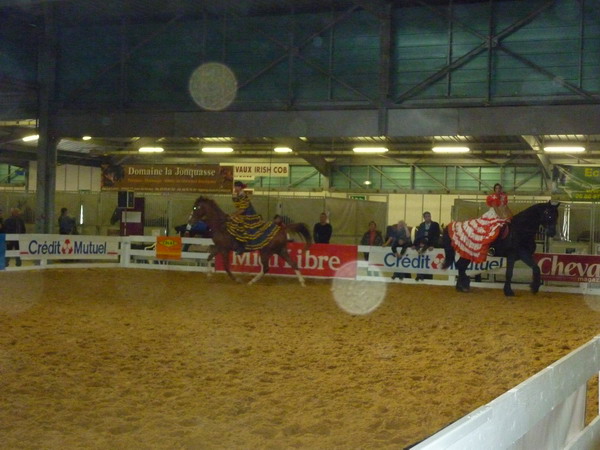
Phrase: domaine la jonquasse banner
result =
(210, 178)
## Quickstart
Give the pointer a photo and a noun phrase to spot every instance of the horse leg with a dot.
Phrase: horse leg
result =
(449, 253)
(288, 259)
(225, 255)
(212, 252)
(264, 261)
(536, 282)
(463, 283)
(510, 265)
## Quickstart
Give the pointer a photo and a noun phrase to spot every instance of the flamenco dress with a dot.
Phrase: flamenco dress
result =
(472, 238)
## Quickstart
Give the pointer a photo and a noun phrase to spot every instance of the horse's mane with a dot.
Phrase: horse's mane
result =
(210, 201)
(212, 205)
(529, 219)
(531, 211)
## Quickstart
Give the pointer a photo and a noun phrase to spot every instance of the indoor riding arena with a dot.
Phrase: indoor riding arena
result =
(418, 182)
(125, 358)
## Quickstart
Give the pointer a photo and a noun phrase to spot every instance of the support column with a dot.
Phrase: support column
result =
(48, 141)
(385, 56)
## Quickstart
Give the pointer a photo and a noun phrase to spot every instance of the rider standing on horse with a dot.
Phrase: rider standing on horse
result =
(472, 238)
(250, 231)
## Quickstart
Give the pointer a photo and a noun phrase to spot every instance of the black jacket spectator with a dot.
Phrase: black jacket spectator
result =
(322, 230)
(428, 233)
(14, 225)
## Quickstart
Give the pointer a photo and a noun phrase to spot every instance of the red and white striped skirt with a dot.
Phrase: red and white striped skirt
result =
(472, 238)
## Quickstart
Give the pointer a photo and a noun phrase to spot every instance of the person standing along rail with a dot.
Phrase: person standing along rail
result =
(14, 225)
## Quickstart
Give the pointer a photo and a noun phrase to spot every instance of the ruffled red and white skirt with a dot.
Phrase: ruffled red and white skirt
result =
(472, 238)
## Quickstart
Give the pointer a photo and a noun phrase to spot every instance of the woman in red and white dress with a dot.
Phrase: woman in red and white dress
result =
(472, 238)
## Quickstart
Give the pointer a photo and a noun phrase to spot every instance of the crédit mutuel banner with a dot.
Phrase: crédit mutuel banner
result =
(320, 260)
(553, 266)
(58, 246)
(207, 178)
(429, 262)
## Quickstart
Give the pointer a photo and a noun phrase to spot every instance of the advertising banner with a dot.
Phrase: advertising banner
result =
(250, 171)
(579, 183)
(208, 178)
(320, 260)
(168, 247)
(429, 262)
(573, 268)
(49, 246)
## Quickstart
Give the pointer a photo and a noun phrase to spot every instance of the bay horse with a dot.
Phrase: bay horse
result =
(206, 209)
(518, 244)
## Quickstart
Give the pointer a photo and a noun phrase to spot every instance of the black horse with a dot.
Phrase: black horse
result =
(518, 244)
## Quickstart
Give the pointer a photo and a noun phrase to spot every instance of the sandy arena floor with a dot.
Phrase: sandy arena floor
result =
(111, 358)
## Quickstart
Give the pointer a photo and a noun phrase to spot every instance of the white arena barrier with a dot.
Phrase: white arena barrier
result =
(547, 411)
(139, 252)
(82, 251)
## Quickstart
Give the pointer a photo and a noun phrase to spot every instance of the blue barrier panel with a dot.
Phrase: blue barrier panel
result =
(2, 251)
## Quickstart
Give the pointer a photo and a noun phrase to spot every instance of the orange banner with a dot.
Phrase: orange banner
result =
(207, 178)
(168, 247)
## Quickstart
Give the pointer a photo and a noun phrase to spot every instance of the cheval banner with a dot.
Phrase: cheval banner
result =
(429, 262)
(320, 260)
(573, 268)
(49, 246)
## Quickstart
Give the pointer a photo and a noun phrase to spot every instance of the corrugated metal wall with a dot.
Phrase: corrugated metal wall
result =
(325, 58)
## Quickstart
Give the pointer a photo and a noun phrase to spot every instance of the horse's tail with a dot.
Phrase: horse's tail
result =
(302, 230)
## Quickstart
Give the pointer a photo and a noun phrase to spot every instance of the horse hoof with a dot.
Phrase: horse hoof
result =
(509, 293)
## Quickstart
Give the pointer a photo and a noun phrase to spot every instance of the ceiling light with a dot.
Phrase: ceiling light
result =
(564, 149)
(369, 149)
(217, 149)
(33, 137)
(86, 138)
(367, 183)
(217, 139)
(282, 150)
(151, 150)
(450, 149)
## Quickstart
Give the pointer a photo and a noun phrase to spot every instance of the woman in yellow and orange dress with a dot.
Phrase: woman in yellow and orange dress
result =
(471, 239)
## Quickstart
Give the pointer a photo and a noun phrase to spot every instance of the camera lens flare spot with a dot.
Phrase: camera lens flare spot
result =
(213, 86)
(356, 296)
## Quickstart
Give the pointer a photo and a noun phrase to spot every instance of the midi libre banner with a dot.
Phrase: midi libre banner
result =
(320, 260)
(207, 178)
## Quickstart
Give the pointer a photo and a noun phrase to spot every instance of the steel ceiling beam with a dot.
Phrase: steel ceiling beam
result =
(555, 78)
(292, 51)
(22, 153)
(545, 164)
(490, 41)
(90, 82)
